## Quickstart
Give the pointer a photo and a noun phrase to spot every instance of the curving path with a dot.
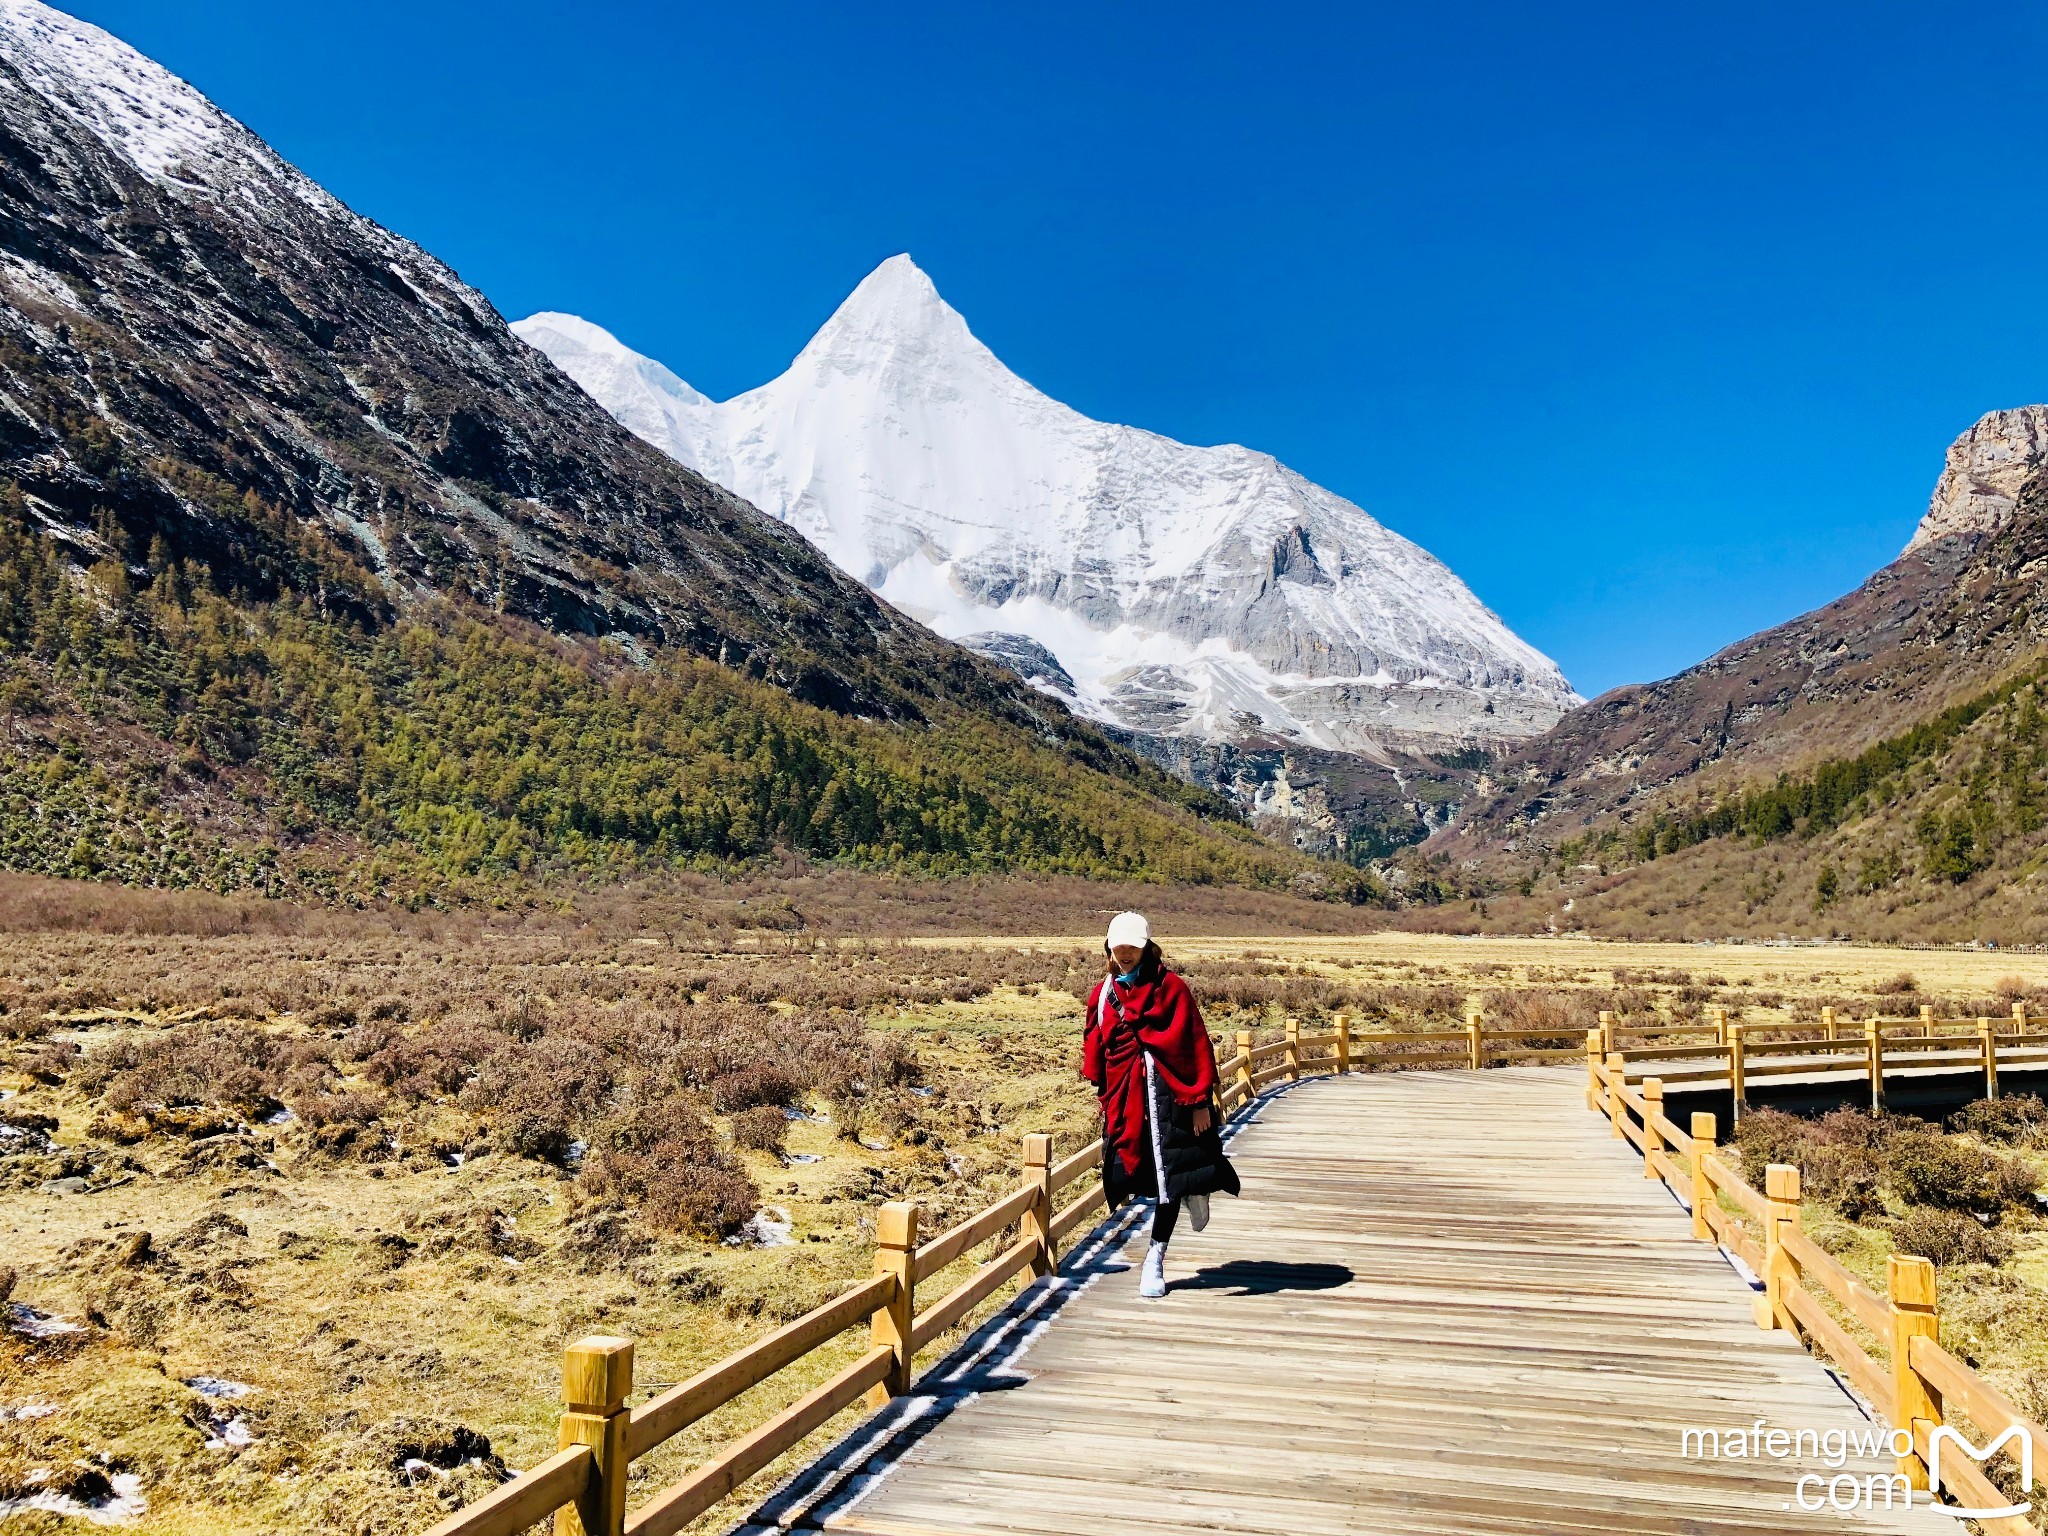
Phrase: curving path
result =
(1449, 1305)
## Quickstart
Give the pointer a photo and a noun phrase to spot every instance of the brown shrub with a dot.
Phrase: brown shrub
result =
(433, 1064)
(537, 1095)
(1565, 1015)
(1766, 1136)
(1929, 1169)
(1898, 986)
(340, 1108)
(754, 1084)
(1948, 1237)
(699, 1197)
(660, 1156)
(761, 1128)
(2018, 1120)
(228, 1063)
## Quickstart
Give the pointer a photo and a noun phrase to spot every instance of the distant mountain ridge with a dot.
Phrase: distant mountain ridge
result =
(1634, 776)
(309, 560)
(1202, 592)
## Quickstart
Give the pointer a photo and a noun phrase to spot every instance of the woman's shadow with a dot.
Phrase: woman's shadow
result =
(1265, 1277)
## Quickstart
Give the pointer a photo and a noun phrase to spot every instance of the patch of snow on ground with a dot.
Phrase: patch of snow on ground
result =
(766, 1228)
(230, 1435)
(124, 1504)
(805, 1157)
(27, 1320)
(215, 1386)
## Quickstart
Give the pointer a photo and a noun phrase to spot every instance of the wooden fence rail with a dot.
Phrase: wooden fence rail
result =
(584, 1484)
(1904, 1372)
(1741, 1052)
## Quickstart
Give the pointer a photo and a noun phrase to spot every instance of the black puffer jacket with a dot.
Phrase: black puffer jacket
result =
(1195, 1165)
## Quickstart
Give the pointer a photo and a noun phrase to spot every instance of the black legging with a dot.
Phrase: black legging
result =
(1164, 1215)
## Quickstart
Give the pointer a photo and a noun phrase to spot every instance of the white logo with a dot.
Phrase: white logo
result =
(1942, 1433)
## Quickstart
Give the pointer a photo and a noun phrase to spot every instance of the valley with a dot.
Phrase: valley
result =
(305, 1204)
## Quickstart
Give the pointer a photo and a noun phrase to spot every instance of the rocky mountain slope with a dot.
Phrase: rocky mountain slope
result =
(1851, 731)
(306, 549)
(189, 321)
(1203, 593)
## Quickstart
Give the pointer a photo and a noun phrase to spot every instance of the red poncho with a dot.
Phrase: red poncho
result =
(1157, 1015)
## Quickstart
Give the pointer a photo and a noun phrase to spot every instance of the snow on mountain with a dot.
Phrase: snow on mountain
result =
(1205, 592)
(156, 122)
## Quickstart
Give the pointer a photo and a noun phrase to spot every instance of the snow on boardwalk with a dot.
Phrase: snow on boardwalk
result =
(1449, 1305)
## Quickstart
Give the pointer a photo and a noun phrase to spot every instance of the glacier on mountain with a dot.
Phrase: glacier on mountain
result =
(1180, 591)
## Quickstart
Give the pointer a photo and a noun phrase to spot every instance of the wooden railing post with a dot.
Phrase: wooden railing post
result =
(1653, 1139)
(1719, 1015)
(1910, 1284)
(1738, 1084)
(1927, 1020)
(597, 1378)
(1595, 1052)
(1343, 1043)
(1781, 1215)
(1037, 1222)
(1987, 1041)
(1606, 1032)
(1293, 1049)
(1617, 1077)
(1244, 1066)
(1873, 1044)
(2019, 1018)
(890, 1327)
(1827, 1022)
(1475, 1040)
(1703, 1133)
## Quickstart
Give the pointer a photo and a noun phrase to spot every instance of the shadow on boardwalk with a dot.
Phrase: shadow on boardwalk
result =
(987, 1360)
(1449, 1304)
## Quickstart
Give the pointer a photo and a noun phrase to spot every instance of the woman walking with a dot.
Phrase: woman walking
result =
(1147, 1052)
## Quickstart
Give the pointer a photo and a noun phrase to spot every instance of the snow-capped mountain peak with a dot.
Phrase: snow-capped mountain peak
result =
(1208, 592)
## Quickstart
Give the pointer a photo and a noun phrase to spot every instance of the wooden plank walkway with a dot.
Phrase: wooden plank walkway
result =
(1449, 1305)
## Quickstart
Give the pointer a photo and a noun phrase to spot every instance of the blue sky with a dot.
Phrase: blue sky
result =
(1653, 322)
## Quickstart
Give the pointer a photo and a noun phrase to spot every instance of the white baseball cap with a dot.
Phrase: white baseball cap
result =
(1129, 928)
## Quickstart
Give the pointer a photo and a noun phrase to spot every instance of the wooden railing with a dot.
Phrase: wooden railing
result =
(584, 1484)
(1903, 1371)
(1737, 1052)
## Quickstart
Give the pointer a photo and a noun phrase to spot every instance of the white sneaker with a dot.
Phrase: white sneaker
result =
(1198, 1211)
(1152, 1283)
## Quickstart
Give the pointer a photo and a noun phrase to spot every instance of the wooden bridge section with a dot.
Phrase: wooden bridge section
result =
(1447, 1306)
(1479, 1293)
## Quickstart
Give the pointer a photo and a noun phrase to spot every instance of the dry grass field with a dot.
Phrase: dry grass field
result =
(303, 1206)
(1820, 973)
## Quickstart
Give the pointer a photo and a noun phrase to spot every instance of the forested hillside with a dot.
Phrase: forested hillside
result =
(1876, 768)
(162, 732)
(319, 581)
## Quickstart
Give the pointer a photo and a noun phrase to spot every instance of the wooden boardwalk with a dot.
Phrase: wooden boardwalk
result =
(1449, 1305)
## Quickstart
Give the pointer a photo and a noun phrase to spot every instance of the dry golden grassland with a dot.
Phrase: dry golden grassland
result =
(377, 1172)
